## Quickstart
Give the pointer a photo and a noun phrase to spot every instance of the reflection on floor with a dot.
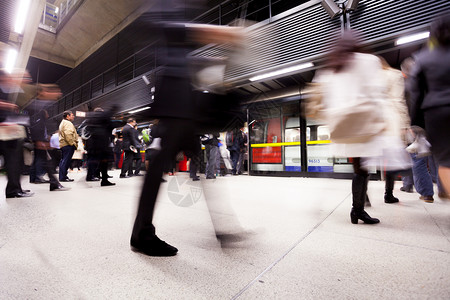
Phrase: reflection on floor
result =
(301, 244)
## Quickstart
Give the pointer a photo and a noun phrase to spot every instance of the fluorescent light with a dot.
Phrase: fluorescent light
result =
(10, 60)
(205, 92)
(139, 109)
(21, 16)
(412, 38)
(56, 10)
(282, 71)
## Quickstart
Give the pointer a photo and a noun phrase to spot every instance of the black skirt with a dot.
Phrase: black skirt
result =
(437, 126)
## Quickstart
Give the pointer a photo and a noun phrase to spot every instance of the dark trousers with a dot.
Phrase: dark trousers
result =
(138, 159)
(66, 153)
(117, 156)
(37, 168)
(234, 155)
(127, 164)
(92, 167)
(44, 157)
(56, 159)
(176, 135)
(11, 151)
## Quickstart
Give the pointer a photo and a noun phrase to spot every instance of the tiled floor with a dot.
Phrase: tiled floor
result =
(301, 244)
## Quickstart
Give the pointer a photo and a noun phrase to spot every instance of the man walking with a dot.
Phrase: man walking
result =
(68, 142)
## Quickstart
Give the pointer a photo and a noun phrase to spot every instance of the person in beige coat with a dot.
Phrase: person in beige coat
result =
(68, 142)
(397, 121)
(352, 78)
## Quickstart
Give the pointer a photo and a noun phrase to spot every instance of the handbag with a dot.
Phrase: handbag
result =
(356, 123)
(312, 106)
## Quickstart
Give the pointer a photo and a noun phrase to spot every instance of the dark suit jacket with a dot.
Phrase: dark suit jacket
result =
(129, 137)
(429, 83)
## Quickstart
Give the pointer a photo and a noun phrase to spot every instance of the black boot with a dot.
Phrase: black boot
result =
(389, 198)
(389, 187)
(362, 215)
(359, 191)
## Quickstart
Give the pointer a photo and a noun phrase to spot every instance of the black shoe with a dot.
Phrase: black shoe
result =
(163, 180)
(407, 190)
(138, 174)
(20, 195)
(106, 183)
(67, 180)
(363, 216)
(124, 176)
(210, 177)
(196, 178)
(389, 198)
(93, 179)
(156, 247)
(58, 188)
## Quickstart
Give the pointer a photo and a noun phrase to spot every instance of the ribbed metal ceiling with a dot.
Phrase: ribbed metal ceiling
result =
(7, 8)
(383, 19)
(306, 33)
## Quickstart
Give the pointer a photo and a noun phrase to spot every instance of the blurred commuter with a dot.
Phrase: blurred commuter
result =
(419, 176)
(98, 148)
(175, 105)
(398, 122)
(38, 134)
(41, 140)
(429, 89)
(212, 154)
(68, 142)
(242, 152)
(77, 158)
(54, 151)
(129, 145)
(354, 79)
(194, 160)
(137, 158)
(236, 141)
(118, 149)
(12, 133)
(147, 139)
(225, 157)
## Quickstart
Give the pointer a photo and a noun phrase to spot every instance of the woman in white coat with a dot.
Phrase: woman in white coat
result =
(353, 77)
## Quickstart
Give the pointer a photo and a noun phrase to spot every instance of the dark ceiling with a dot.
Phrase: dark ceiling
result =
(42, 71)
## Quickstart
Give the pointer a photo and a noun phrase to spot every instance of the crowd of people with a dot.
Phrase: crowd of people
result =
(368, 106)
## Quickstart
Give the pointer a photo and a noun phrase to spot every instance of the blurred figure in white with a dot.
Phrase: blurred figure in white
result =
(354, 83)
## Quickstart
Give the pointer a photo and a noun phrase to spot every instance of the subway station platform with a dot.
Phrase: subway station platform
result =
(300, 242)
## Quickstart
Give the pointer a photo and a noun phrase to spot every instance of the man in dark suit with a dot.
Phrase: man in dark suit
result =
(129, 148)
(137, 155)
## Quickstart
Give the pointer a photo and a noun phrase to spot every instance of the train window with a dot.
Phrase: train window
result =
(323, 133)
(320, 158)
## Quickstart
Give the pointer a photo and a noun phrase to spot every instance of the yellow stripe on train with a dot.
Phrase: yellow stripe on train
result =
(289, 144)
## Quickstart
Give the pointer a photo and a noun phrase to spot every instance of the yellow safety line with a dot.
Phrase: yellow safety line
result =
(289, 144)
